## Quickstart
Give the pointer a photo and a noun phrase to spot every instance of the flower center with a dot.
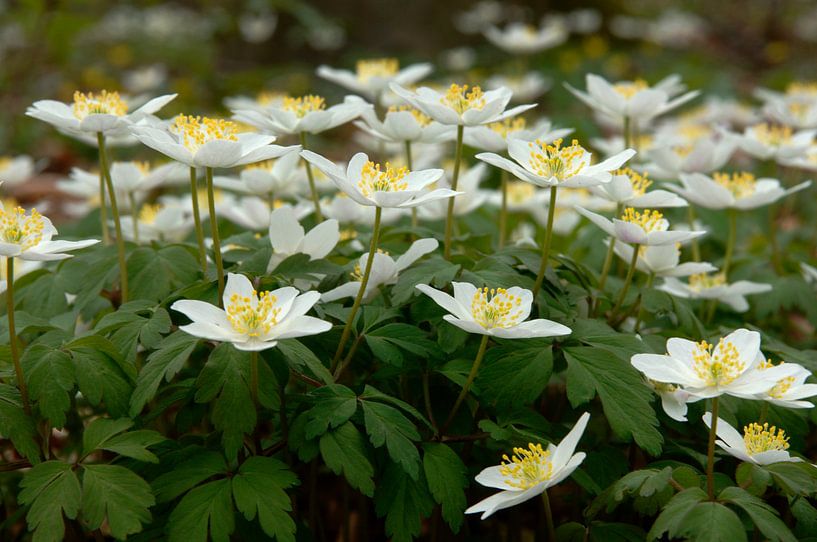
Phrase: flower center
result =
(266, 165)
(783, 385)
(460, 99)
(20, 229)
(194, 132)
(249, 320)
(662, 387)
(267, 97)
(740, 184)
(104, 103)
(422, 120)
(556, 161)
(508, 126)
(762, 438)
(628, 89)
(302, 105)
(372, 179)
(802, 89)
(147, 214)
(648, 220)
(5, 162)
(357, 274)
(638, 181)
(772, 135)
(719, 365)
(496, 308)
(702, 281)
(376, 67)
(527, 467)
(520, 192)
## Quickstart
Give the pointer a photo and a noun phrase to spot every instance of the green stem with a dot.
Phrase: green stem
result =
(120, 240)
(608, 262)
(640, 317)
(254, 378)
(103, 206)
(710, 452)
(427, 400)
(364, 281)
(730, 243)
(696, 249)
(549, 517)
(271, 200)
(626, 132)
(627, 281)
(407, 144)
(211, 202)
(503, 210)
(449, 219)
(312, 189)
(134, 213)
(194, 195)
(773, 241)
(540, 277)
(15, 352)
(483, 346)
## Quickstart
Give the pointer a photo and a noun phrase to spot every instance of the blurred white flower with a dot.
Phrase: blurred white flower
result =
(16, 170)
(662, 261)
(403, 124)
(739, 190)
(288, 237)
(773, 142)
(629, 188)
(278, 178)
(157, 222)
(348, 211)
(525, 39)
(27, 236)
(304, 114)
(789, 391)
(647, 227)
(526, 88)
(480, 16)
(494, 137)
(714, 286)
(469, 199)
(372, 77)
(257, 27)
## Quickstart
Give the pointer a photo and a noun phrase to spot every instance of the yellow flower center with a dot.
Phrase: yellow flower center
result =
(799, 88)
(508, 126)
(460, 99)
(556, 161)
(702, 281)
(717, 366)
(18, 228)
(104, 103)
(303, 104)
(762, 438)
(194, 132)
(147, 214)
(267, 97)
(377, 67)
(496, 308)
(772, 135)
(348, 234)
(693, 131)
(638, 181)
(5, 162)
(799, 109)
(628, 89)
(372, 179)
(663, 387)
(520, 192)
(649, 221)
(783, 385)
(266, 165)
(357, 274)
(740, 184)
(422, 120)
(528, 467)
(253, 321)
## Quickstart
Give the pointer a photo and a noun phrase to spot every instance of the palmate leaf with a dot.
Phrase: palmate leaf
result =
(102, 374)
(344, 451)
(51, 490)
(115, 494)
(155, 272)
(447, 479)
(388, 343)
(163, 363)
(50, 377)
(762, 515)
(107, 434)
(514, 374)
(332, 405)
(15, 425)
(188, 474)
(299, 357)
(404, 502)
(135, 323)
(205, 509)
(386, 425)
(258, 489)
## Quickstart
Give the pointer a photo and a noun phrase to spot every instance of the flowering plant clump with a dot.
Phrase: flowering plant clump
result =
(429, 310)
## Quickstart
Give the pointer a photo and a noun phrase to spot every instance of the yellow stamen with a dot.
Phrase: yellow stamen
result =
(528, 467)
(149, 211)
(719, 365)
(18, 228)
(104, 103)
(194, 132)
(508, 126)
(496, 308)
(740, 184)
(772, 135)
(649, 221)
(303, 104)
(372, 179)
(639, 181)
(702, 281)
(762, 438)
(520, 192)
(628, 89)
(377, 67)
(357, 274)
(556, 161)
(253, 321)
(460, 99)
(798, 88)
(422, 120)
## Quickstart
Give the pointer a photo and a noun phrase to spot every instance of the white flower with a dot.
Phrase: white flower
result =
(629, 188)
(105, 112)
(705, 371)
(461, 105)
(305, 114)
(524, 39)
(789, 391)
(493, 311)
(262, 102)
(715, 287)
(157, 222)
(347, 211)
(781, 143)
(544, 164)
(494, 137)
(206, 142)
(16, 170)
(530, 471)
(371, 78)
(253, 213)
(385, 271)
(697, 149)
(281, 177)
(403, 124)
(251, 320)
(648, 227)
(760, 444)
(634, 100)
(470, 198)
(739, 190)
(27, 236)
(529, 86)
(796, 107)
(673, 399)
(288, 237)
(367, 184)
(662, 260)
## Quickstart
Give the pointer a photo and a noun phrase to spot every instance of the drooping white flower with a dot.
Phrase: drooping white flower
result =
(714, 286)
(739, 190)
(524, 39)
(461, 105)
(157, 222)
(288, 237)
(629, 188)
(304, 114)
(371, 77)
(403, 124)
(662, 260)
(773, 142)
(673, 399)
(789, 391)
(281, 177)
(251, 320)
(16, 170)
(530, 471)
(27, 236)
(494, 137)
(759, 444)
(526, 88)
(647, 227)
(493, 311)
(385, 271)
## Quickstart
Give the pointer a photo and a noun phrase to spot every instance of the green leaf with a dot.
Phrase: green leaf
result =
(258, 489)
(115, 493)
(624, 397)
(106, 434)
(206, 509)
(102, 374)
(404, 502)
(753, 478)
(434, 270)
(100, 430)
(671, 519)
(15, 425)
(514, 375)
(129, 328)
(794, 478)
(344, 451)
(155, 273)
(299, 357)
(50, 489)
(43, 295)
(712, 522)
(386, 425)
(447, 479)
(388, 342)
(371, 393)
(763, 516)
(188, 474)
(50, 377)
(163, 363)
(332, 405)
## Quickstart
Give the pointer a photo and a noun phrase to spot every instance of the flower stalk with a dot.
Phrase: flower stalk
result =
(503, 209)
(120, 240)
(194, 195)
(134, 212)
(608, 261)
(483, 346)
(312, 188)
(211, 202)
(449, 219)
(730, 242)
(540, 277)
(710, 452)
(15, 352)
(103, 206)
(627, 281)
(409, 166)
(551, 529)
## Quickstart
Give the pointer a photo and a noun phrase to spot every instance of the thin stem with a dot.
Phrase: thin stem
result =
(15, 352)
(546, 246)
(194, 195)
(134, 213)
(764, 412)
(627, 281)
(483, 346)
(696, 249)
(710, 452)
(120, 241)
(211, 202)
(608, 261)
(549, 517)
(626, 132)
(503, 210)
(407, 145)
(254, 378)
(103, 206)
(427, 400)
(271, 200)
(730, 242)
(449, 219)
(312, 189)
(773, 241)
(640, 317)
(364, 281)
